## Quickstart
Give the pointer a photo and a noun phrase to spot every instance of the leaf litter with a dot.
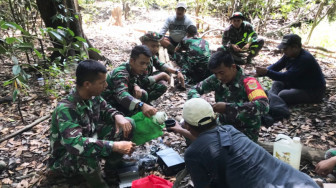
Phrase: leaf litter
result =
(26, 155)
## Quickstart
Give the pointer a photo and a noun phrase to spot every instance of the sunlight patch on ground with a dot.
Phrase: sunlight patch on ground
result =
(323, 35)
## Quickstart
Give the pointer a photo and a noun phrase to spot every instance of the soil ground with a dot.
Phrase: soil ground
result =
(26, 155)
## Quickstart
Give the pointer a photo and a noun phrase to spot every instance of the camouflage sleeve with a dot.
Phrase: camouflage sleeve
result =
(121, 93)
(203, 87)
(106, 110)
(257, 106)
(159, 65)
(226, 37)
(146, 80)
(73, 139)
(252, 35)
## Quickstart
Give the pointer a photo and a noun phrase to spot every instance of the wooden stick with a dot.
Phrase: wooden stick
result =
(25, 128)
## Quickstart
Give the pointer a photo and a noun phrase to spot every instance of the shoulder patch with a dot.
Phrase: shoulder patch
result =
(252, 84)
(253, 89)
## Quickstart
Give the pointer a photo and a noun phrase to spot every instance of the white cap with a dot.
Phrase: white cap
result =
(181, 4)
(197, 109)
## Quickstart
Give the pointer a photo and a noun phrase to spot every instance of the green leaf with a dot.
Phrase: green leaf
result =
(11, 40)
(16, 70)
(15, 60)
(56, 35)
(7, 25)
(15, 92)
(52, 49)
(80, 39)
(39, 55)
(71, 32)
(25, 46)
(7, 82)
(95, 50)
(62, 32)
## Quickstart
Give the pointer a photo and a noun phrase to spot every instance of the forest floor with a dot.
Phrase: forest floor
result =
(26, 155)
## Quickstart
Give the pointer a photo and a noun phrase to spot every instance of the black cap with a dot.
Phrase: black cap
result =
(290, 40)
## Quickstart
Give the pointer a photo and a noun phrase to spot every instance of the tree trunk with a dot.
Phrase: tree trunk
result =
(315, 21)
(49, 8)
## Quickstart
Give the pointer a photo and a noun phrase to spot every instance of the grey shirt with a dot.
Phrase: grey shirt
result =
(177, 28)
(224, 157)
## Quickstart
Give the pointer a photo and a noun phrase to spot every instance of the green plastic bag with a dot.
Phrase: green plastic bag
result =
(146, 128)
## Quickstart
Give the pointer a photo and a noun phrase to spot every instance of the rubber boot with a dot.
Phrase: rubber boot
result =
(95, 179)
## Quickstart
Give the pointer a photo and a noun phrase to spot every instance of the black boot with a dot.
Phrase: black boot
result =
(95, 179)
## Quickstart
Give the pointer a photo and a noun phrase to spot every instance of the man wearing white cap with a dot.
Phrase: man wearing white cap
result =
(177, 26)
(221, 156)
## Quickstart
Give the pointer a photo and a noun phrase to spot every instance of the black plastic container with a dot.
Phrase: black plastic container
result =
(170, 161)
(170, 123)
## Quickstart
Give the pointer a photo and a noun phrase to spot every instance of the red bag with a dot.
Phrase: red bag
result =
(152, 181)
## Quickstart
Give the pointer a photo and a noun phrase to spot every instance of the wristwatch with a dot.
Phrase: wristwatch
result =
(177, 70)
(140, 104)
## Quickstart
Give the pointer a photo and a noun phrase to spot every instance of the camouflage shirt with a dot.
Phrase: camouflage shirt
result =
(245, 101)
(74, 127)
(196, 48)
(121, 82)
(243, 35)
(192, 56)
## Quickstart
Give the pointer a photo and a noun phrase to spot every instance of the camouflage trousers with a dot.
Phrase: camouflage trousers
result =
(253, 51)
(194, 70)
(249, 126)
(254, 48)
(71, 165)
(152, 91)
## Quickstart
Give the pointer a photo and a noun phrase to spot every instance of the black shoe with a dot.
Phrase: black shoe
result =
(267, 120)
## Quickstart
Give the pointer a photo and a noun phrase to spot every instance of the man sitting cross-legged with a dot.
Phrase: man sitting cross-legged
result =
(152, 41)
(85, 129)
(240, 100)
(240, 37)
(123, 91)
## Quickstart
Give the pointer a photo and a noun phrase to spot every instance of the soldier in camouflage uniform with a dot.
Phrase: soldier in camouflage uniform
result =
(240, 37)
(240, 100)
(192, 55)
(123, 91)
(85, 129)
(152, 41)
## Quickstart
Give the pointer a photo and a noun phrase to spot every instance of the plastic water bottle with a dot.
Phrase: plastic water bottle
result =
(40, 81)
(160, 117)
(288, 150)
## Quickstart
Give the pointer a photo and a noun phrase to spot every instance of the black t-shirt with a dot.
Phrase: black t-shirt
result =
(224, 157)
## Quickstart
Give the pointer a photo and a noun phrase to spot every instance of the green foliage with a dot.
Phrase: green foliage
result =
(16, 46)
(22, 43)
(86, 1)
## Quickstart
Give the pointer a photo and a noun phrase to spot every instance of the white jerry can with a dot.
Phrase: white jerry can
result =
(288, 150)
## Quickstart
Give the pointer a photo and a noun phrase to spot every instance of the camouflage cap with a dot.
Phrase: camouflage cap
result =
(237, 15)
(151, 36)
